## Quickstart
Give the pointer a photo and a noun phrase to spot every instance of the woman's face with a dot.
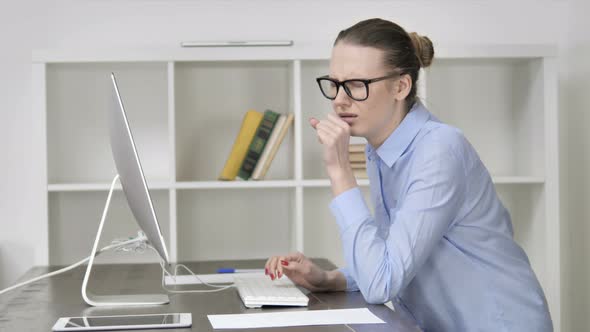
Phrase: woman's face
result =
(377, 116)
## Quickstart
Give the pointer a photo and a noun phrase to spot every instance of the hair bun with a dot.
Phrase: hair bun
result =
(424, 49)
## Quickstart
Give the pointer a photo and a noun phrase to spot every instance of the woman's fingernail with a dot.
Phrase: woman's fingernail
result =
(285, 263)
(279, 274)
(272, 276)
(266, 271)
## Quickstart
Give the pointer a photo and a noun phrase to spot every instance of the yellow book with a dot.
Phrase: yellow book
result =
(358, 165)
(356, 157)
(356, 148)
(238, 152)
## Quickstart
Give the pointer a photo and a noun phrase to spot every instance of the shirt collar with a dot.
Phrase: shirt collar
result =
(395, 145)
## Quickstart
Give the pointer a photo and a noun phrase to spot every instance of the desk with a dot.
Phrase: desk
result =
(37, 307)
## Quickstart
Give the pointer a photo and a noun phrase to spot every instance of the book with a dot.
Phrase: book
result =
(258, 143)
(358, 165)
(360, 173)
(356, 157)
(274, 142)
(356, 148)
(250, 123)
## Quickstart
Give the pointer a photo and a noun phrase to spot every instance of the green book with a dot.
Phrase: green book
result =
(258, 143)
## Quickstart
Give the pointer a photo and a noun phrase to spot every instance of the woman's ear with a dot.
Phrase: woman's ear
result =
(403, 87)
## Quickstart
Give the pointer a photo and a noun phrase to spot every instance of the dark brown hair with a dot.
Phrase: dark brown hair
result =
(404, 52)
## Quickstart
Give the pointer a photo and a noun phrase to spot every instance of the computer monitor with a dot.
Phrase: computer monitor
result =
(131, 174)
(132, 179)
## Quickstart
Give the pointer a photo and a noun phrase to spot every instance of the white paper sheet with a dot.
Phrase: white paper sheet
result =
(294, 318)
(208, 278)
(390, 305)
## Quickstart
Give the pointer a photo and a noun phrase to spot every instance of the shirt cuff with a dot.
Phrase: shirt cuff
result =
(349, 208)
(350, 282)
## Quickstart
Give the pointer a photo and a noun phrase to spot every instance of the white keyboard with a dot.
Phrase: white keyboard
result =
(257, 291)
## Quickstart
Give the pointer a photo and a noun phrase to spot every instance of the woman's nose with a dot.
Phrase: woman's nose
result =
(341, 98)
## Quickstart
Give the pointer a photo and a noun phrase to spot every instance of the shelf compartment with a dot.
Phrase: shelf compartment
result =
(526, 205)
(313, 104)
(78, 101)
(79, 213)
(498, 104)
(501, 115)
(237, 224)
(321, 233)
(211, 99)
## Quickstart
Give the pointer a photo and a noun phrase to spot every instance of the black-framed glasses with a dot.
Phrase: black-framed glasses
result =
(357, 89)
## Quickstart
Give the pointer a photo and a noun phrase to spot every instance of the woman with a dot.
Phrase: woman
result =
(441, 242)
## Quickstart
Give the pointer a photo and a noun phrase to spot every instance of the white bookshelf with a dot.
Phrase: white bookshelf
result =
(185, 107)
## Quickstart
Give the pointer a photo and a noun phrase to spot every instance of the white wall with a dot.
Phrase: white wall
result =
(19, 190)
(37, 24)
(153, 22)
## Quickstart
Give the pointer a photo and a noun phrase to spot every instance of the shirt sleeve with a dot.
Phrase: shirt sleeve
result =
(350, 282)
(383, 266)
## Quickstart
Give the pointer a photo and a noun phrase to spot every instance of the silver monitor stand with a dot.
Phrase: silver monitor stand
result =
(114, 300)
(138, 197)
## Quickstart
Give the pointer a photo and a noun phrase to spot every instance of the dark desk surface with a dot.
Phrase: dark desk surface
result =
(37, 307)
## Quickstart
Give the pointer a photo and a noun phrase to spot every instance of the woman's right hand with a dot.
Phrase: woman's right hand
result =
(334, 134)
(300, 269)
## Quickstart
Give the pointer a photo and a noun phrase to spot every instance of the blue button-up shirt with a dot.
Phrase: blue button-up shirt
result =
(441, 242)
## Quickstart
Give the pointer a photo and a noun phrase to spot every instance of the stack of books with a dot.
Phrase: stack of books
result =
(256, 145)
(356, 155)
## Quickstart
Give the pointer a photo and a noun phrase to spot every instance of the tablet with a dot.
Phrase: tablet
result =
(124, 322)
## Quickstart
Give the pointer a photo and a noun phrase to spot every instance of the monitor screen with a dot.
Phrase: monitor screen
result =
(131, 174)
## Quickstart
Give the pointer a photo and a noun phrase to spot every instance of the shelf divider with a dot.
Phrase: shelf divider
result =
(552, 231)
(39, 106)
(173, 227)
(298, 234)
